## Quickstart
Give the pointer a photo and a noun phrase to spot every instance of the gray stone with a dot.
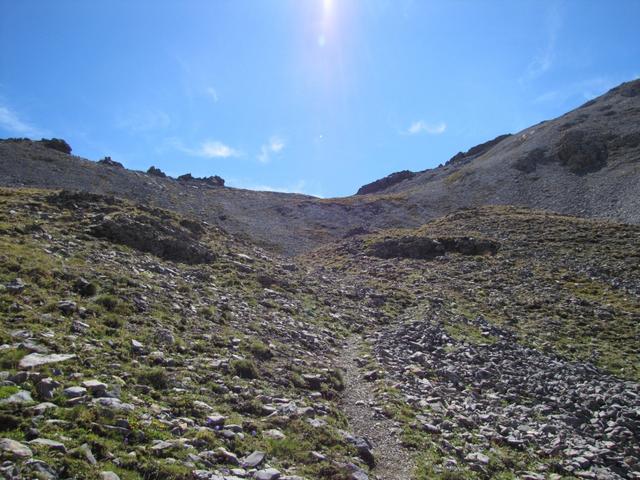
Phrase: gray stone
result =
(254, 459)
(165, 336)
(42, 407)
(137, 347)
(36, 359)
(84, 451)
(95, 387)
(478, 458)
(42, 470)
(74, 392)
(108, 475)
(67, 307)
(14, 449)
(15, 286)
(215, 420)
(46, 388)
(267, 474)
(49, 444)
(227, 456)
(113, 404)
(20, 397)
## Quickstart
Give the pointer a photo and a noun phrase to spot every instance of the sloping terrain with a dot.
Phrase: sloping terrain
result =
(285, 223)
(116, 359)
(519, 360)
(585, 163)
(493, 343)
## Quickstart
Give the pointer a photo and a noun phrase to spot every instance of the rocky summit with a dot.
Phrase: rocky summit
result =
(478, 320)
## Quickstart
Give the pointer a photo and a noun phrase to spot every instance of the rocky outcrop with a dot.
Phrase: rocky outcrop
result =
(56, 144)
(156, 172)
(582, 152)
(213, 181)
(147, 234)
(427, 248)
(110, 163)
(385, 182)
(474, 152)
(579, 151)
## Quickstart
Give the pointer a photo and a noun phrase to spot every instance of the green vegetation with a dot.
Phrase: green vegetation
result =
(244, 368)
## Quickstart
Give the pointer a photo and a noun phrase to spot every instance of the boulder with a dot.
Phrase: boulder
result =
(17, 398)
(385, 182)
(56, 144)
(13, 449)
(148, 234)
(110, 163)
(582, 152)
(156, 172)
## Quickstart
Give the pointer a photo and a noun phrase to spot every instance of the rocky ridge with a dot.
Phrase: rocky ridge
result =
(585, 163)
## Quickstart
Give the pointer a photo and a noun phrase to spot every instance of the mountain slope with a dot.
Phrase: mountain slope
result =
(496, 342)
(586, 163)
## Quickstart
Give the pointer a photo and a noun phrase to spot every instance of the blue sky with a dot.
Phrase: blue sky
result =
(315, 96)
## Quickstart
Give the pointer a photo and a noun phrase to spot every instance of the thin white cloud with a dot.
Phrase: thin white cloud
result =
(420, 126)
(216, 149)
(544, 59)
(300, 186)
(144, 121)
(207, 149)
(274, 146)
(212, 93)
(580, 91)
(12, 123)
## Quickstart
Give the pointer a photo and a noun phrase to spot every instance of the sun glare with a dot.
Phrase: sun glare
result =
(327, 9)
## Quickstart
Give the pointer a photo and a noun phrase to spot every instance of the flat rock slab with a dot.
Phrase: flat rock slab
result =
(268, 474)
(37, 359)
(14, 449)
(50, 444)
(253, 460)
(20, 397)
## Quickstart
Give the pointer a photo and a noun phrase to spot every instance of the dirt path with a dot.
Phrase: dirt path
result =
(393, 462)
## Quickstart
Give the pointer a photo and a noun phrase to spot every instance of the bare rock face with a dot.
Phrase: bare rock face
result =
(109, 162)
(582, 153)
(385, 182)
(74, 200)
(213, 181)
(56, 144)
(427, 248)
(474, 152)
(579, 151)
(147, 234)
(156, 172)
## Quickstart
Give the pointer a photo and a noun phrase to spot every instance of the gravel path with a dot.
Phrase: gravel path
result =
(393, 462)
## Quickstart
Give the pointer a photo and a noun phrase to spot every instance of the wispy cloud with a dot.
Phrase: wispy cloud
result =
(216, 149)
(144, 121)
(11, 122)
(582, 90)
(420, 126)
(300, 186)
(274, 146)
(212, 93)
(207, 149)
(544, 58)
